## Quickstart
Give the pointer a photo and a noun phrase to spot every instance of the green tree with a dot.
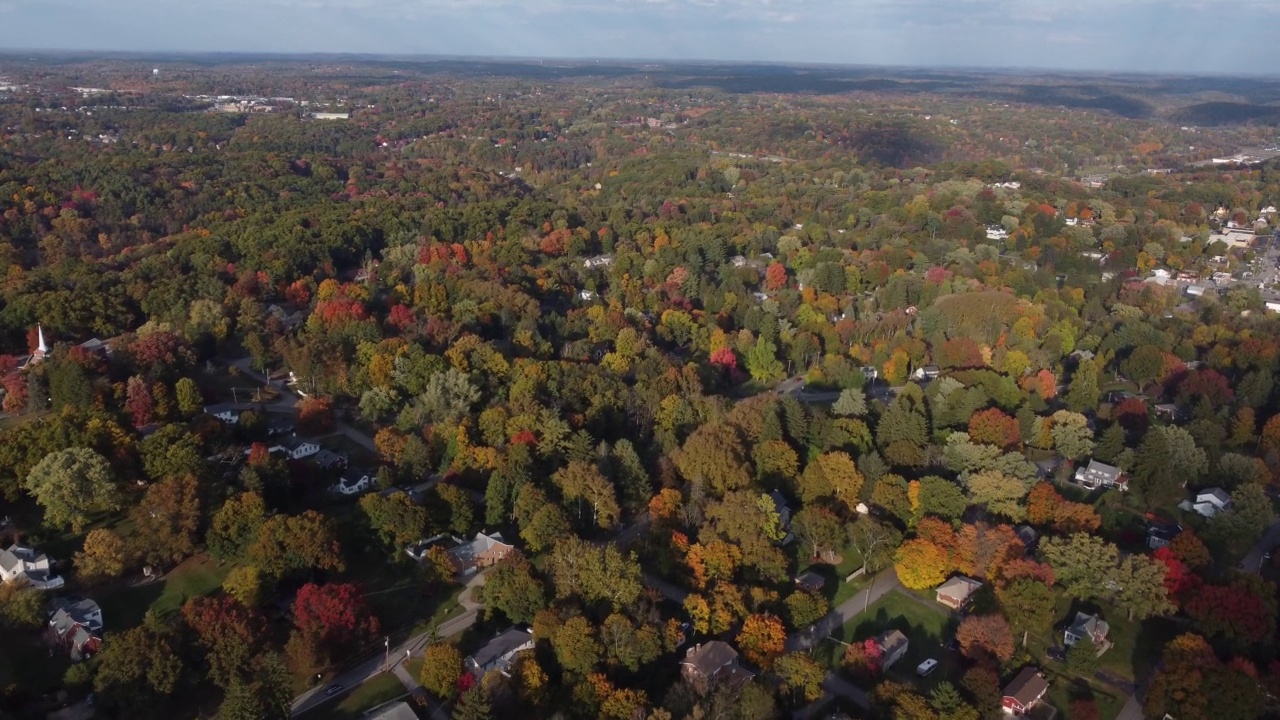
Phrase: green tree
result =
(21, 606)
(576, 647)
(582, 482)
(1111, 444)
(1248, 516)
(1139, 587)
(396, 519)
(235, 526)
(103, 557)
(1082, 563)
(851, 403)
(762, 361)
(72, 485)
(1028, 605)
(1082, 393)
(1001, 493)
(511, 588)
(1072, 437)
(475, 704)
(816, 528)
(190, 402)
(941, 497)
(1082, 658)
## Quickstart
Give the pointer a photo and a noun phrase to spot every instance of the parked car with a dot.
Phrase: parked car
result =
(1057, 653)
(333, 689)
(925, 668)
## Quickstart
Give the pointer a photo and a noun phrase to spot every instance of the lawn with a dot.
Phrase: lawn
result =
(381, 689)
(397, 595)
(927, 630)
(125, 607)
(1064, 688)
(836, 590)
(1134, 645)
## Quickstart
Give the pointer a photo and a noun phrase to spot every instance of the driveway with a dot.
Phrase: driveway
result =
(1253, 560)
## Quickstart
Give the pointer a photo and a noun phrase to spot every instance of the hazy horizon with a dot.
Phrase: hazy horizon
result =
(1136, 36)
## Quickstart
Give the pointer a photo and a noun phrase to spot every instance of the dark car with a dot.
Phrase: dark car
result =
(333, 689)
(1058, 654)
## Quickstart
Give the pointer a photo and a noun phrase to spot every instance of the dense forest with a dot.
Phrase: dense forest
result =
(326, 380)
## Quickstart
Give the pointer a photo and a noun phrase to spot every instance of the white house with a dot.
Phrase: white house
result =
(995, 232)
(19, 563)
(297, 448)
(1101, 475)
(587, 295)
(598, 261)
(229, 414)
(353, 484)
(1211, 501)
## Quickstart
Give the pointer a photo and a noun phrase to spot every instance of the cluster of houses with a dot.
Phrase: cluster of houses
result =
(75, 623)
(286, 443)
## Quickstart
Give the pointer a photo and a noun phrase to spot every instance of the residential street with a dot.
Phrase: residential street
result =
(1252, 561)
(881, 585)
(374, 666)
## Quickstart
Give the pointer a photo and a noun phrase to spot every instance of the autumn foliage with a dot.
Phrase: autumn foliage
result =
(994, 427)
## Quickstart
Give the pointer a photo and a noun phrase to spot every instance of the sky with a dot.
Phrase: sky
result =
(1174, 36)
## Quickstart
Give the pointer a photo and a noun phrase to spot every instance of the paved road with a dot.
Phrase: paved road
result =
(374, 666)
(289, 400)
(669, 591)
(1252, 561)
(882, 584)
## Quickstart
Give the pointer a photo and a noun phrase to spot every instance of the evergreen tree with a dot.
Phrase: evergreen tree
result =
(851, 403)
(1028, 422)
(1082, 395)
(796, 420)
(1152, 475)
(1111, 444)
(475, 704)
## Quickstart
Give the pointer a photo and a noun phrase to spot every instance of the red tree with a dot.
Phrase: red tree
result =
(775, 276)
(138, 402)
(259, 453)
(336, 614)
(1179, 579)
(993, 427)
(217, 620)
(401, 318)
(1132, 414)
(725, 358)
(960, 353)
(983, 637)
(1025, 568)
(1239, 612)
(315, 415)
(1207, 383)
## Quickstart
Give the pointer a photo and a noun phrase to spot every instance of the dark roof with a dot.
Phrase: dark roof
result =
(708, 658)
(1027, 687)
(501, 645)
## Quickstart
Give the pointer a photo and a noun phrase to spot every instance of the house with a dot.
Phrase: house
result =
(23, 564)
(398, 710)
(598, 261)
(1087, 627)
(893, 645)
(353, 483)
(1211, 501)
(995, 232)
(1028, 535)
(331, 116)
(75, 626)
(955, 592)
(297, 448)
(482, 552)
(871, 373)
(1025, 692)
(1101, 475)
(328, 459)
(928, 372)
(498, 653)
(229, 414)
(810, 581)
(1195, 290)
(711, 663)
(587, 295)
(1169, 412)
(1159, 536)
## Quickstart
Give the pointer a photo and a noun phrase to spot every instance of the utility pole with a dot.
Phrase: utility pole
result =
(386, 642)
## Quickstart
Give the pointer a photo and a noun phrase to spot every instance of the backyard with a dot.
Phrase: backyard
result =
(836, 589)
(927, 629)
(124, 607)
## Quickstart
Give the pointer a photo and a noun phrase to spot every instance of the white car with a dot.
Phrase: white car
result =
(926, 667)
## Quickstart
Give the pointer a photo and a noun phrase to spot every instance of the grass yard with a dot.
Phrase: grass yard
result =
(125, 607)
(927, 630)
(836, 589)
(382, 689)
(1063, 689)
(399, 598)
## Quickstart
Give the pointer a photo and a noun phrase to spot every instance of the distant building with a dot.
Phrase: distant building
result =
(331, 116)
